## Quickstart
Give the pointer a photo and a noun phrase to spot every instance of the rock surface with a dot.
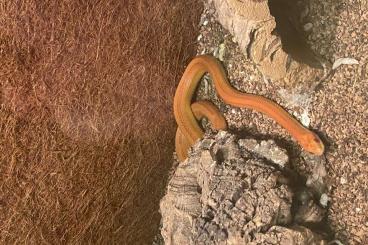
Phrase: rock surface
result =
(227, 192)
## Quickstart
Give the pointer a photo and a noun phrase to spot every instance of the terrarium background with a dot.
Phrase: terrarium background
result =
(85, 119)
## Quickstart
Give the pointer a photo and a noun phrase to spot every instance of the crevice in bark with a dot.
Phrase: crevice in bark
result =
(289, 28)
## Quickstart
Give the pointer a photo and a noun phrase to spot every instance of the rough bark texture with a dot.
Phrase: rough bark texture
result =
(226, 192)
(254, 28)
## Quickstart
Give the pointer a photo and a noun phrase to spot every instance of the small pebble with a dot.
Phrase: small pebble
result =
(221, 51)
(307, 27)
(305, 120)
(324, 200)
(343, 181)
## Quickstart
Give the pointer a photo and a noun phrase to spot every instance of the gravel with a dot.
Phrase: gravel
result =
(337, 110)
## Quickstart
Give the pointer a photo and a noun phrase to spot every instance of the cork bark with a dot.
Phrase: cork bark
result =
(254, 28)
(226, 192)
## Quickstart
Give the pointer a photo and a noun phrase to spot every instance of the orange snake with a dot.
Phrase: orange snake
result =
(188, 125)
(200, 110)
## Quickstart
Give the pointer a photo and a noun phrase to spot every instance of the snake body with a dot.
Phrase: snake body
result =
(189, 126)
(201, 109)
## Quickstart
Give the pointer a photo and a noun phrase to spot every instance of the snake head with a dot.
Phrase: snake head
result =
(313, 144)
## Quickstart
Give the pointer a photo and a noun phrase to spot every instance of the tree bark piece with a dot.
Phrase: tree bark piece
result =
(252, 25)
(226, 193)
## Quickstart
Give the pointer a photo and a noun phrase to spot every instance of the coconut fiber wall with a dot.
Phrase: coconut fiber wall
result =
(85, 120)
